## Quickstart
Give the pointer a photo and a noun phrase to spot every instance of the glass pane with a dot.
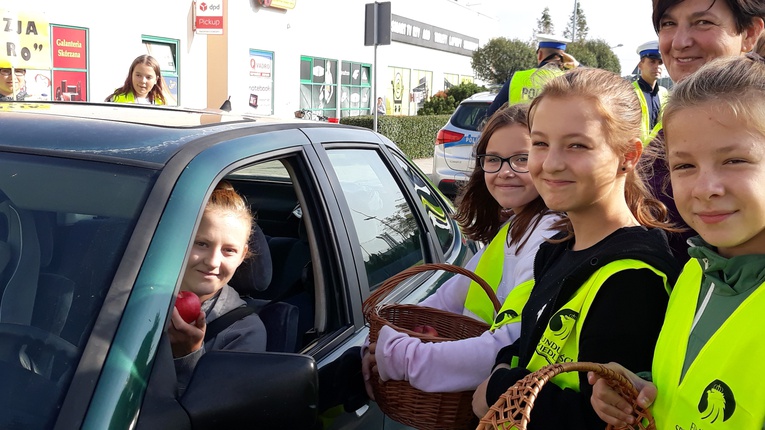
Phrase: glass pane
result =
(388, 234)
(365, 101)
(318, 70)
(164, 54)
(65, 225)
(355, 97)
(305, 70)
(437, 212)
(365, 72)
(345, 97)
(345, 73)
(355, 74)
(305, 96)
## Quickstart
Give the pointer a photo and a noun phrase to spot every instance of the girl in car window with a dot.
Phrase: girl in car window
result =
(499, 188)
(143, 85)
(220, 246)
(600, 287)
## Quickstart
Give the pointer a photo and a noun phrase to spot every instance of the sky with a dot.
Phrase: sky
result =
(625, 22)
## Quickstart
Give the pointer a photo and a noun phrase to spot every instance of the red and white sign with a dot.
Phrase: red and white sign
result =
(208, 17)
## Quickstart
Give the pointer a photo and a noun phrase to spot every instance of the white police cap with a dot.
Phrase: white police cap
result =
(649, 49)
(552, 41)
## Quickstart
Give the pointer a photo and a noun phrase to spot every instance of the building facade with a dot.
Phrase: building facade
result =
(271, 57)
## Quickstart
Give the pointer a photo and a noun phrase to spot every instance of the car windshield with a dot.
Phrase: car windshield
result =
(64, 226)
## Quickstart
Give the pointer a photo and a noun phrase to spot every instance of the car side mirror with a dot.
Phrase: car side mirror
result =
(234, 390)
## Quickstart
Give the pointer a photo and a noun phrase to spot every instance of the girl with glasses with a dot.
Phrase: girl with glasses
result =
(499, 205)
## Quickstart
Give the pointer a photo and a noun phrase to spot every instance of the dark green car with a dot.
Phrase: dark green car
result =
(98, 207)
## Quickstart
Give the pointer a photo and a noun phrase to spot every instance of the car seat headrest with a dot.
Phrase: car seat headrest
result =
(256, 272)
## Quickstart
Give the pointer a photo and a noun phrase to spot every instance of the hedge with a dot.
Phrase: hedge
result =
(415, 135)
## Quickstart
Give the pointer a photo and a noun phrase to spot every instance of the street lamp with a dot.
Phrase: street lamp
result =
(617, 46)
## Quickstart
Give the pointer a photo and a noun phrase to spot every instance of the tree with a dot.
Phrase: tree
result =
(444, 102)
(496, 61)
(581, 26)
(595, 53)
(544, 23)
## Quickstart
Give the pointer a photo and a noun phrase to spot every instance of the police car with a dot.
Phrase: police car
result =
(453, 157)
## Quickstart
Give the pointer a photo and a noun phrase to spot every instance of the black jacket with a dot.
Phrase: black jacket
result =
(622, 324)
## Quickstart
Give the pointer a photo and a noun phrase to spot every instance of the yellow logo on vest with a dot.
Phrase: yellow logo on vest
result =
(717, 402)
(561, 325)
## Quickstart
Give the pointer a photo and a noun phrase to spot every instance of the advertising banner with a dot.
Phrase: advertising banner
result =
(70, 50)
(208, 17)
(24, 40)
(261, 81)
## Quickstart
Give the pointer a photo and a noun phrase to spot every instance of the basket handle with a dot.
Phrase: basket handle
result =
(386, 287)
(513, 409)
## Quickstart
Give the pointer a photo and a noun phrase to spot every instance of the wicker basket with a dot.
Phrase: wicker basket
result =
(399, 400)
(513, 409)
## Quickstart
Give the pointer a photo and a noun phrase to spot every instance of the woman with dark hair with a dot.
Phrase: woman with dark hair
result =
(499, 205)
(692, 33)
(143, 85)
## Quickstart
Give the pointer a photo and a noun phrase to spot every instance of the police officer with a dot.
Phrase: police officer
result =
(526, 84)
(652, 95)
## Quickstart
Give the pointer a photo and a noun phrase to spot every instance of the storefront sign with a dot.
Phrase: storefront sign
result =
(24, 40)
(70, 50)
(280, 4)
(208, 17)
(407, 30)
(261, 70)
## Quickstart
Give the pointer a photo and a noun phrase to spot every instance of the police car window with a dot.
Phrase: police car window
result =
(387, 230)
(437, 212)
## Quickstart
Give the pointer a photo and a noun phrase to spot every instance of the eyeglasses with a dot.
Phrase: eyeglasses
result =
(493, 163)
(17, 72)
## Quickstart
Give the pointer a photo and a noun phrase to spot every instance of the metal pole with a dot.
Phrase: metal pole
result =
(573, 24)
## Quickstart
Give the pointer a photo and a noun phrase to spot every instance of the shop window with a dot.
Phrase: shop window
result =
(166, 52)
(355, 89)
(318, 85)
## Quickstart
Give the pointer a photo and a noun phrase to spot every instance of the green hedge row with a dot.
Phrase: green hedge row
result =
(415, 135)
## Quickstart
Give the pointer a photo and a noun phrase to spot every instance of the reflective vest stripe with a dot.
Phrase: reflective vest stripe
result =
(130, 98)
(560, 341)
(721, 388)
(489, 268)
(646, 133)
(526, 84)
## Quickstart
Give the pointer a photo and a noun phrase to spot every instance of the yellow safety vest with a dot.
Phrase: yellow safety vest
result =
(560, 341)
(489, 268)
(722, 388)
(130, 98)
(527, 84)
(646, 133)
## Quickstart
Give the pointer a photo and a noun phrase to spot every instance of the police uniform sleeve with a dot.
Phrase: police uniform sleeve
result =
(502, 97)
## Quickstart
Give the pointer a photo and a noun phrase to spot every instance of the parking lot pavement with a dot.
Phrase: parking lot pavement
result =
(426, 165)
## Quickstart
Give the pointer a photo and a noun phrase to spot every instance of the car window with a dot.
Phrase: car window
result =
(470, 116)
(388, 233)
(64, 226)
(439, 213)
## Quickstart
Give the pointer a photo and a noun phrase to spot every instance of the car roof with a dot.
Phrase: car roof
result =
(485, 96)
(123, 131)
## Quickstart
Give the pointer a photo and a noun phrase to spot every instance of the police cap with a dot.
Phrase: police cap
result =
(649, 49)
(552, 41)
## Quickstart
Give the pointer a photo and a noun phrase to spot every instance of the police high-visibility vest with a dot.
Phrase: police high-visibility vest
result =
(527, 84)
(647, 134)
(489, 268)
(130, 98)
(560, 341)
(722, 388)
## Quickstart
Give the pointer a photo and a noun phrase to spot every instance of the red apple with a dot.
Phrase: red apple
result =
(188, 306)
(425, 329)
